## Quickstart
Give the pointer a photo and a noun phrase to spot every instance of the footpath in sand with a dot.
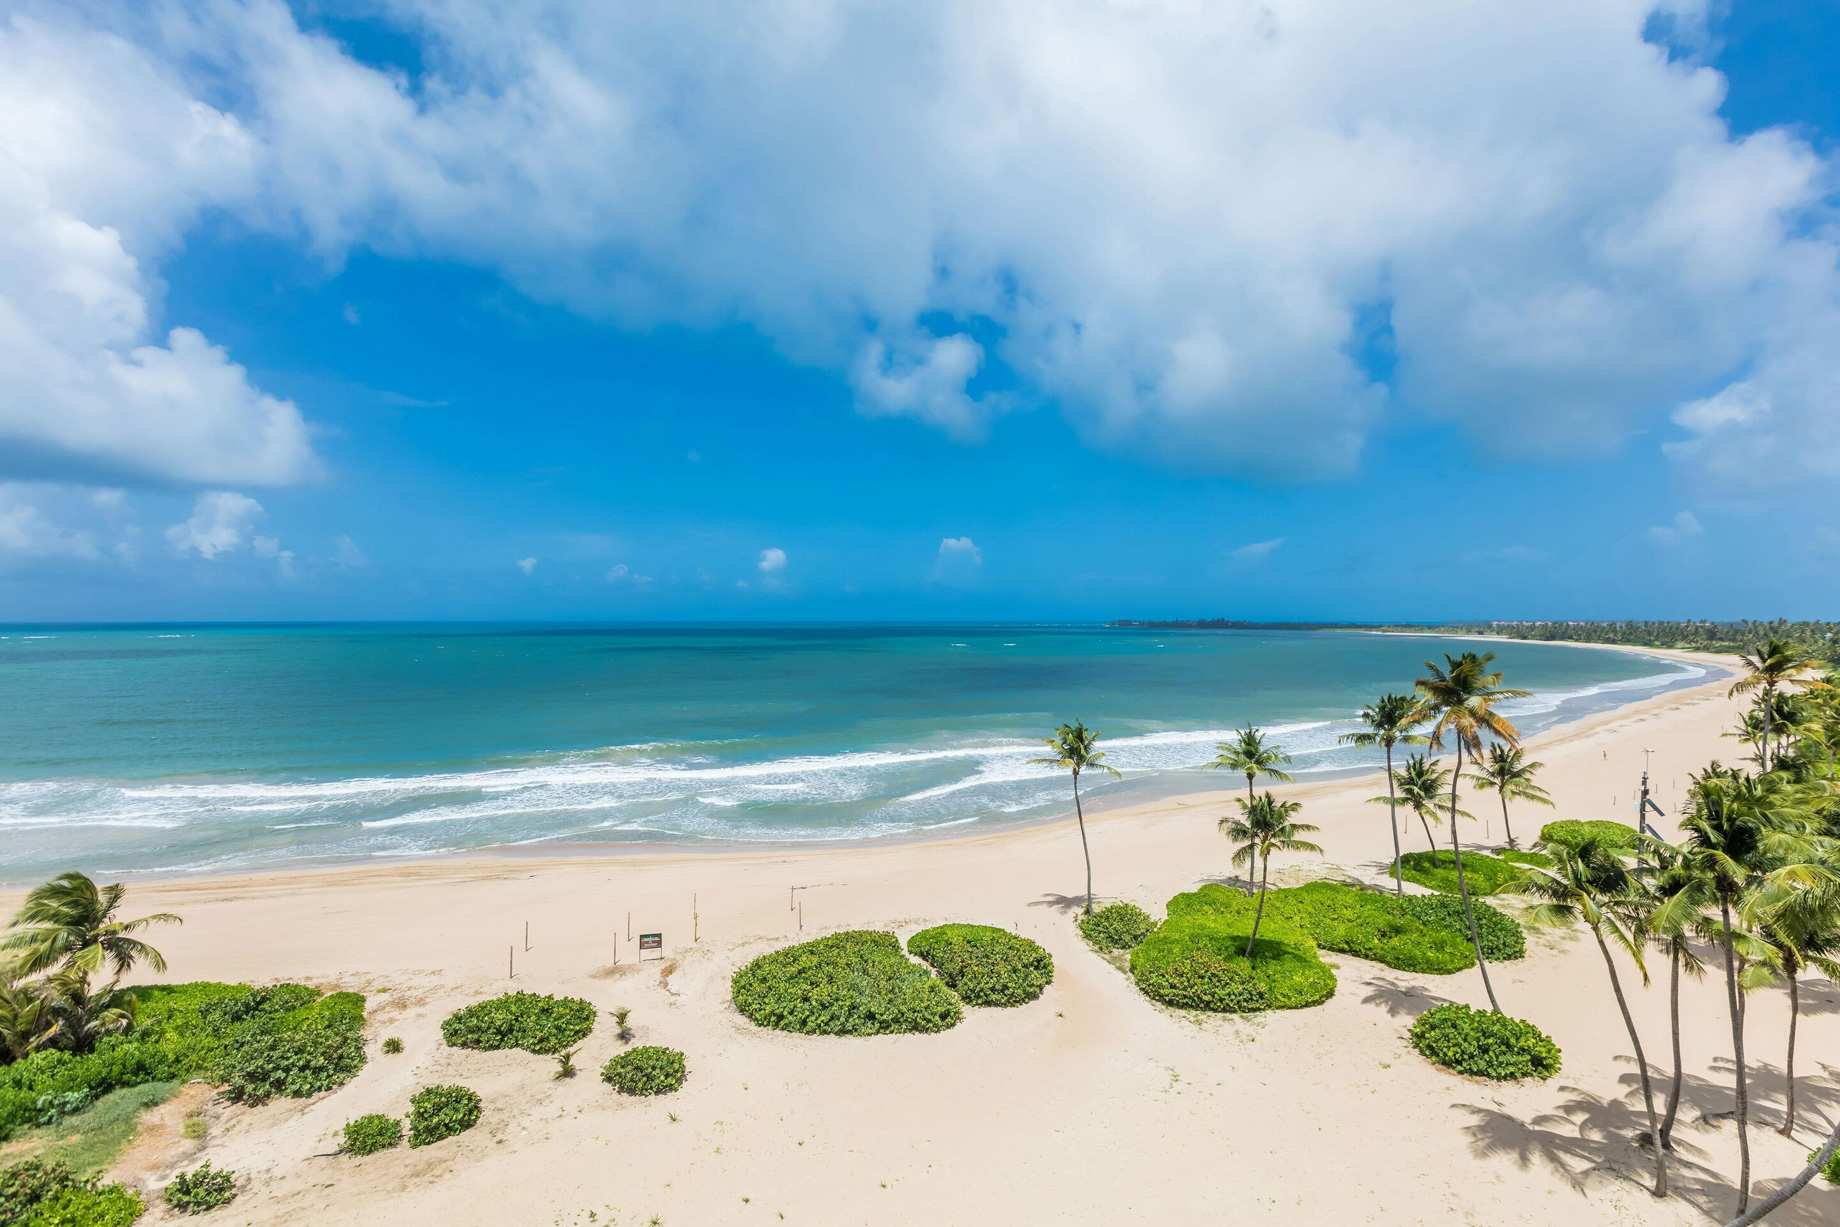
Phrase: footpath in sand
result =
(1091, 1105)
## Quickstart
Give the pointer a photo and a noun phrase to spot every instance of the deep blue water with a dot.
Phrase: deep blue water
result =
(183, 748)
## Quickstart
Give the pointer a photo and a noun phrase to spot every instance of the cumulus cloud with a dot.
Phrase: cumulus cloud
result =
(1684, 527)
(1256, 550)
(27, 530)
(1183, 222)
(220, 523)
(622, 575)
(527, 565)
(772, 561)
(958, 563)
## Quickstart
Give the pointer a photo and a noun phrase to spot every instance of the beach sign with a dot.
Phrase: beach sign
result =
(651, 941)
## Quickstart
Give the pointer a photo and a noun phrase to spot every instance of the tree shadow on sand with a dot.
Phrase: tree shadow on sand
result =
(1069, 904)
(1399, 999)
(1817, 1095)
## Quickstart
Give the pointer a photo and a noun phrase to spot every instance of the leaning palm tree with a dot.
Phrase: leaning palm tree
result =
(1389, 722)
(1591, 883)
(1816, 1163)
(1420, 785)
(1265, 825)
(1508, 772)
(1460, 698)
(1250, 754)
(84, 1018)
(1775, 667)
(1797, 927)
(72, 923)
(1073, 751)
(1678, 899)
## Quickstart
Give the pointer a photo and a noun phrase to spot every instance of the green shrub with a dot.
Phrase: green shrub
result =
(437, 1112)
(534, 1022)
(1832, 1170)
(369, 1134)
(294, 1065)
(1484, 1044)
(1572, 832)
(108, 1205)
(206, 1188)
(1196, 961)
(852, 983)
(984, 965)
(1503, 940)
(1116, 926)
(648, 1070)
(25, 1184)
(1484, 874)
(392, 1046)
(1363, 923)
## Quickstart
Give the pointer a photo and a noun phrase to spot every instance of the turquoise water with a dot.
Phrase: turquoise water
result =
(176, 749)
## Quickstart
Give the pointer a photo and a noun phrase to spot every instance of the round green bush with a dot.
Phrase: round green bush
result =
(851, 983)
(293, 1064)
(648, 1070)
(535, 1022)
(1116, 926)
(369, 1134)
(206, 1188)
(984, 965)
(437, 1112)
(1484, 1044)
(1503, 940)
(1197, 962)
(110, 1205)
(1572, 832)
(1482, 873)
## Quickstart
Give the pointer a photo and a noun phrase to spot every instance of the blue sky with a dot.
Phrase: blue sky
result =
(983, 312)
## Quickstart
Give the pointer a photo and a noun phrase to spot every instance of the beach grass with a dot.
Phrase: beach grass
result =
(91, 1140)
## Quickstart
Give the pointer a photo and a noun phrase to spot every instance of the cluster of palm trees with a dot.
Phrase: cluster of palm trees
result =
(67, 933)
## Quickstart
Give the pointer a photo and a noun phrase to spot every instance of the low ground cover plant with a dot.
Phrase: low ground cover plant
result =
(1573, 832)
(88, 1205)
(852, 983)
(392, 1046)
(984, 965)
(647, 1070)
(205, 1188)
(371, 1133)
(1503, 940)
(1484, 1044)
(535, 1022)
(1483, 874)
(1197, 961)
(24, 1185)
(439, 1112)
(1116, 926)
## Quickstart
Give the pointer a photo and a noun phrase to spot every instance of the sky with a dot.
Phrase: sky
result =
(817, 310)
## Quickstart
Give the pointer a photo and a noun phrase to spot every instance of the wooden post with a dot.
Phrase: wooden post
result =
(527, 936)
(801, 915)
(695, 920)
(511, 962)
(629, 926)
(616, 947)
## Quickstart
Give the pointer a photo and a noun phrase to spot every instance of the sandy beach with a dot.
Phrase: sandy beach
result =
(1090, 1105)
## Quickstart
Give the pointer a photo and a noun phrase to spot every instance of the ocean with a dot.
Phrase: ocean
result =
(179, 749)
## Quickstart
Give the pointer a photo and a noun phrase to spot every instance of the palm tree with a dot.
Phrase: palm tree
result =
(1797, 928)
(1678, 899)
(1073, 751)
(1266, 825)
(1420, 784)
(1773, 667)
(1462, 697)
(1816, 1162)
(1591, 883)
(71, 922)
(1508, 772)
(1250, 754)
(1390, 721)
(84, 1018)
(26, 1024)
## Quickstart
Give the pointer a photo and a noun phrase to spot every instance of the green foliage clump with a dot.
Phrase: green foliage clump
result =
(984, 965)
(535, 1022)
(1364, 923)
(648, 1070)
(294, 1065)
(26, 1184)
(207, 1188)
(851, 983)
(437, 1112)
(51, 1084)
(1572, 833)
(1483, 874)
(1197, 961)
(1503, 940)
(369, 1134)
(108, 1205)
(392, 1046)
(1832, 1170)
(1484, 1044)
(1116, 926)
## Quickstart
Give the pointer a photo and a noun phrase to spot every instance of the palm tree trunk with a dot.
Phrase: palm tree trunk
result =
(1764, 748)
(1469, 915)
(1086, 851)
(1504, 821)
(1767, 1206)
(1795, 1009)
(1667, 1122)
(1648, 1093)
(1259, 916)
(1392, 811)
(1429, 838)
(1737, 1049)
(1250, 884)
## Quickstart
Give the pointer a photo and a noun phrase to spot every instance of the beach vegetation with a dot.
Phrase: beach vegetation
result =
(534, 1022)
(1251, 755)
(291, 1065)
(1388, 722)
(1571, 832)
(622, 1027)
(440, 1112)
(1509, 775)
(1675, 902)
(1484, 1043)
(1770, 669)
(371, 1133)
(92, 1138)
(28, 1183)
(70, 923)
(646, 1070)
(392, 1045)
(1420, 785)
(984, 965)
(1486, 874)
(204, 1188)
(1265, 825)
(1200, 961)
(1116, 926)
(88, 1205)
(853, 983)
(1502, 937)
(1075, 749)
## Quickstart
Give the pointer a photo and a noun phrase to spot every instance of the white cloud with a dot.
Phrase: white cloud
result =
(958, 563)
(106, 158)
(527, 565)
(772, 561)
(345, 553)
(220, 523)
(621, 574)
(1256, 550)
(1171, 217)
(1684, 526)
(26, 529)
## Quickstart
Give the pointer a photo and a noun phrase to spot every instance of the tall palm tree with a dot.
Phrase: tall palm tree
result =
(1389, 722)
(1461, 699)
(1797, 928)
(1250, 754)
(72, 923)
(1266, 825)
(1508, 772)
(1774, 667)
(1420, 784)
(1678, 899)
(1073, 746)
(1591, 883)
